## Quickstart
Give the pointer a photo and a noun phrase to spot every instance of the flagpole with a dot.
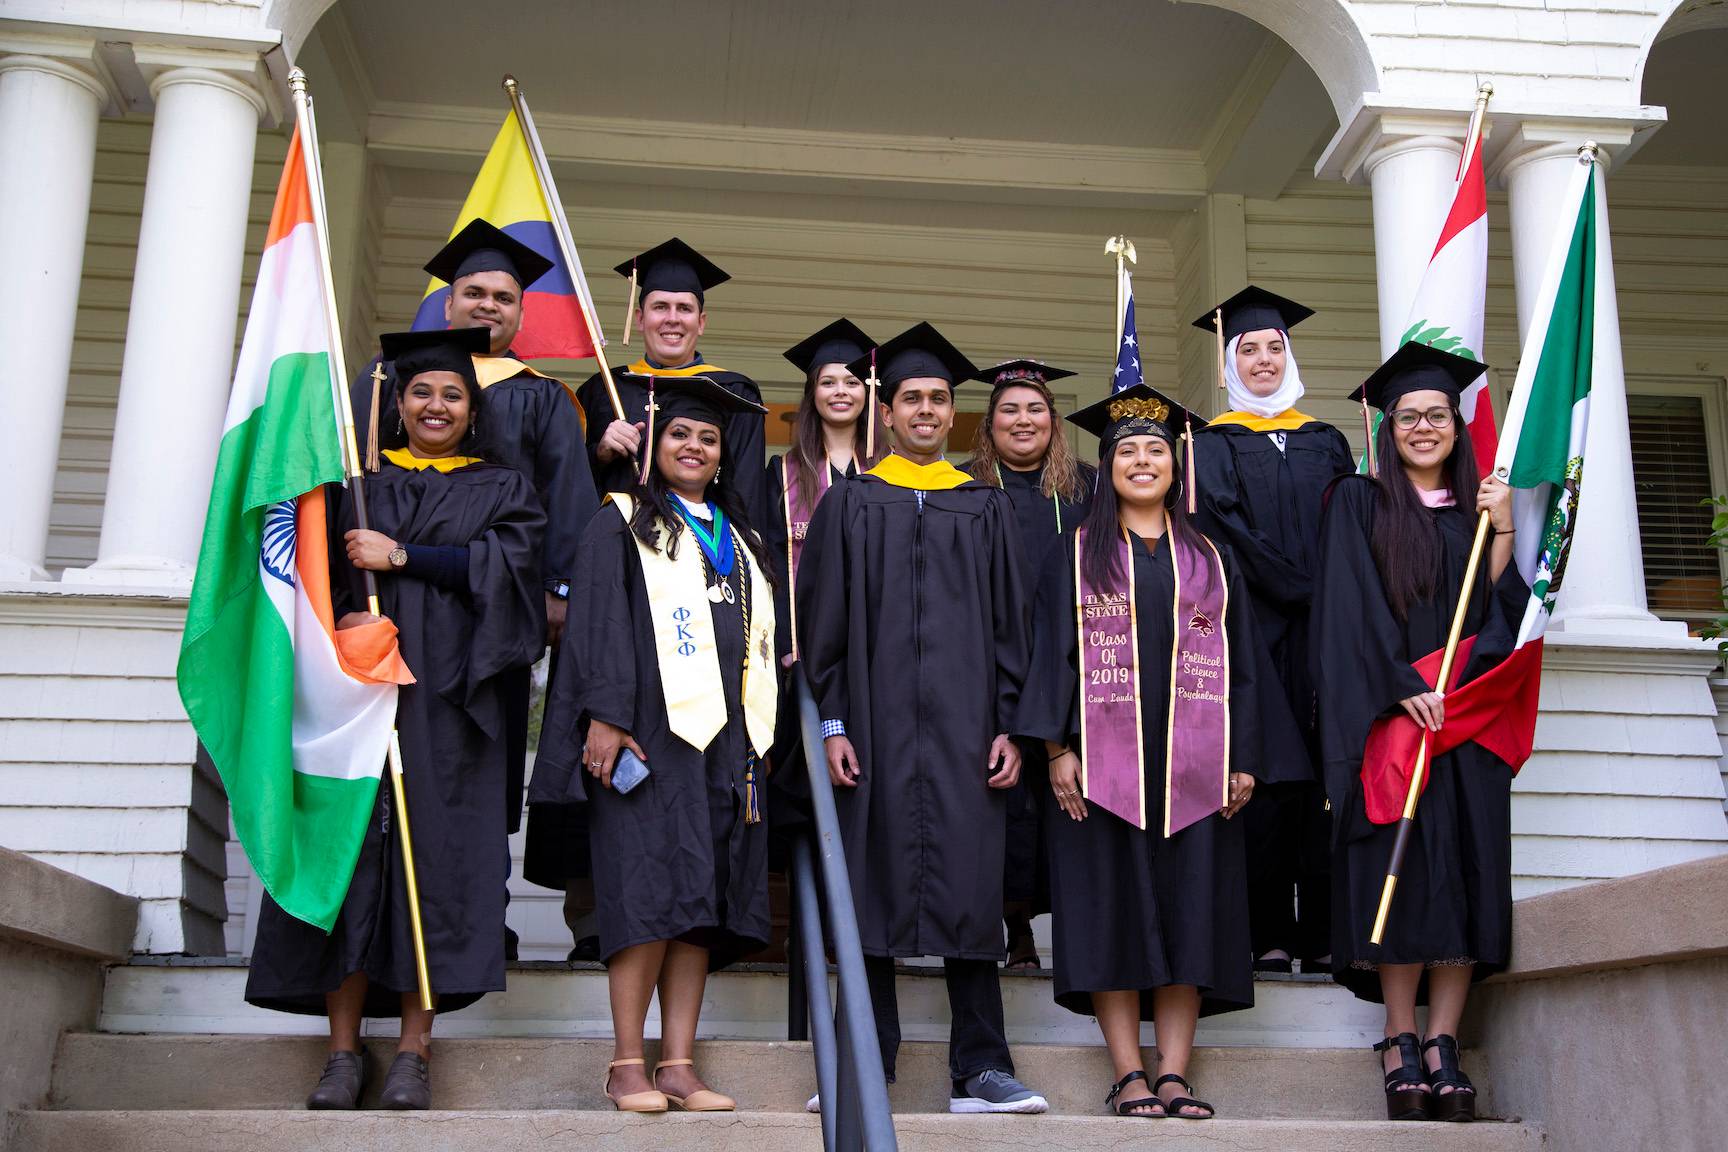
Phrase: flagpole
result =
(306, 126)
(1123, 249)
(561, 229)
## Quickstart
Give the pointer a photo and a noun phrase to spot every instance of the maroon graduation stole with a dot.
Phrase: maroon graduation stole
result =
(1197, 731)
(797, 507)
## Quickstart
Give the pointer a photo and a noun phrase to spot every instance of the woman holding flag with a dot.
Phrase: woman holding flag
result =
(458, 543)
(1394, 552)
(663, 699)
(1142, 687)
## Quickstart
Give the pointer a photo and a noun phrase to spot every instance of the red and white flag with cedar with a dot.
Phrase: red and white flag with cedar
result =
(1542, 460)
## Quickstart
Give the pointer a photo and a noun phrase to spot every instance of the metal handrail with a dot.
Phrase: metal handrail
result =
(854, 1091)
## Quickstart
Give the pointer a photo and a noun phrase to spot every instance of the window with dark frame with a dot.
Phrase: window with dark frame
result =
(1671, 460)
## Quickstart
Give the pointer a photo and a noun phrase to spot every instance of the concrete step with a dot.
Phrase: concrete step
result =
(93, 1071)
(277, 1131)
(747, 1002)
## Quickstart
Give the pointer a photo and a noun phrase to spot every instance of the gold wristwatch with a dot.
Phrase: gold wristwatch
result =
(398, 556)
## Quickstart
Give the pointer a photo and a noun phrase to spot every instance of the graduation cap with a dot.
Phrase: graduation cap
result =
(1252, 310)
(1023, 371)
(448, 350)
(1141, 410)
(673, 267)
(482, 247)
(1417, 368)
(918, 353)
(841, 342)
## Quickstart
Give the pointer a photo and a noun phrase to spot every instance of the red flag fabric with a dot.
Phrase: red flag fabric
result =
(1497, 710)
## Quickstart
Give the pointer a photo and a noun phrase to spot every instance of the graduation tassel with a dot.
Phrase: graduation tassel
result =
(752, 792)
(1218, 327)
(648, 434)
(630, 311)
(373, 463)
(1368, 432)
(1188, 452)
(870, 416)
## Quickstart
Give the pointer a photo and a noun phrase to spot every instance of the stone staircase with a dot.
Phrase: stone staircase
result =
(178, 1063)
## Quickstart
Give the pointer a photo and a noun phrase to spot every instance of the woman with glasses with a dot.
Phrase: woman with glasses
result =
(1393, 555)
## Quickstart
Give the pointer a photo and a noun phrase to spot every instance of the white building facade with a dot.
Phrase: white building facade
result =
(838, 167)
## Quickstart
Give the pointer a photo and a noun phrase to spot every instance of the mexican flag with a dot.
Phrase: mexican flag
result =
(295, 715)
(1542, 459)
(1451, 300)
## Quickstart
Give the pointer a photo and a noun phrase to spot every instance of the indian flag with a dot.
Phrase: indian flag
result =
(295, 715)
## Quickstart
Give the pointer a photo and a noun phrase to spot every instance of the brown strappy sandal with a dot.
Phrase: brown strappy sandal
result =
(652, 1100)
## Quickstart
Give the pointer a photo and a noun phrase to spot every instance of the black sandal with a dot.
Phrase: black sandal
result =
(1127, 1107)
(1459, 1104)
(1407, 1084)
(1173, 1106)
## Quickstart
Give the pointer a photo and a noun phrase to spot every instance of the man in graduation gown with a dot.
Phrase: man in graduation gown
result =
(532, 424)
(671, 282)
(912, 627)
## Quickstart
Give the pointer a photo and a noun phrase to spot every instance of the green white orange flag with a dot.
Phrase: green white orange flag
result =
(1541, 457)
(295, 715)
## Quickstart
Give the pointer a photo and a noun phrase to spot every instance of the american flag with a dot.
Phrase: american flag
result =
(1128, 371)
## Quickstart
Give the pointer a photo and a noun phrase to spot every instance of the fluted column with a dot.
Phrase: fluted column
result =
(49, 106)
(180, 334)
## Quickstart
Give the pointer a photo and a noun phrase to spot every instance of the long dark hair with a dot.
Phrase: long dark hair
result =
(654, 512)
(1405, 541)
(809, 451)
(473, 441)
(1063, 475)
(1101, 560)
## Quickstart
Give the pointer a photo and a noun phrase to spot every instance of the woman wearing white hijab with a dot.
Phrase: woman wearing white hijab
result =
(1263, 470)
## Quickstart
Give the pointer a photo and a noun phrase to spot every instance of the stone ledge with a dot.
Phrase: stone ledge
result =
(43, 905)
(1663, 916)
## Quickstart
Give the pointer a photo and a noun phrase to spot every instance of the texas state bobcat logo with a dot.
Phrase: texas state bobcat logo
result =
(1201, 623)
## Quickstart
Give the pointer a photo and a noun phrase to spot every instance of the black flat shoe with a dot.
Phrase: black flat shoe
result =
(340, 1086)
(408, 1084)
(1457, 1103)
(1173, 1106)
(1407, 1084)
(1136, 1108)
(1274, 965)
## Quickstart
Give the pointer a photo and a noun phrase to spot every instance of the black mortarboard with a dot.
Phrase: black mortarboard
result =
(918, 353)
(693, 397)
(839, 343)
(447, 350)
(1254, 309)
(1021, 371)
(1416, 368)
(481, 247)
(672, 267)
(1138, 411)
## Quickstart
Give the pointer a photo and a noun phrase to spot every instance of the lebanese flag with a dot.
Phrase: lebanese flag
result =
(1542, 459)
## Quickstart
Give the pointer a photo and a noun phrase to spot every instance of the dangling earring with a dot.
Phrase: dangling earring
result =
(716, 472)
(399, 426)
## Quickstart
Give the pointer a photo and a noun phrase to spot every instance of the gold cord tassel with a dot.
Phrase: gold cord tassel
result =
(1368, 431)
(752, 793)
(373, 463)
(870, 416)
(630, 311)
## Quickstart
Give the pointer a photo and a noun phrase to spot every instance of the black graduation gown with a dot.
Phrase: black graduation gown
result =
(531, 424)
(1454, 898)
(744, 439)
(1131, 909)
(912, 628)
(673, 859)
(460, 643)
(789, 788)
(1042, 521)
(1265, 506)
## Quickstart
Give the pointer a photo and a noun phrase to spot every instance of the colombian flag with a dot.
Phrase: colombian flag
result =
(508, 195)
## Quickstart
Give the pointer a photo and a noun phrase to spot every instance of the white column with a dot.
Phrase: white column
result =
(48, 114)
(1604, 589)
(180, 335)
(1411, 178)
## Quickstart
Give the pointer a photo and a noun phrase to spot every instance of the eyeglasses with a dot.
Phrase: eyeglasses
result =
(1408, 418)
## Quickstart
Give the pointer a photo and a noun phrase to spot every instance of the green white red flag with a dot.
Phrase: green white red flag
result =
(296, 715)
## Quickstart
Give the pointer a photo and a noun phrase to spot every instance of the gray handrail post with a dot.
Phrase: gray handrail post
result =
(861, 1079)
(810, 952)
